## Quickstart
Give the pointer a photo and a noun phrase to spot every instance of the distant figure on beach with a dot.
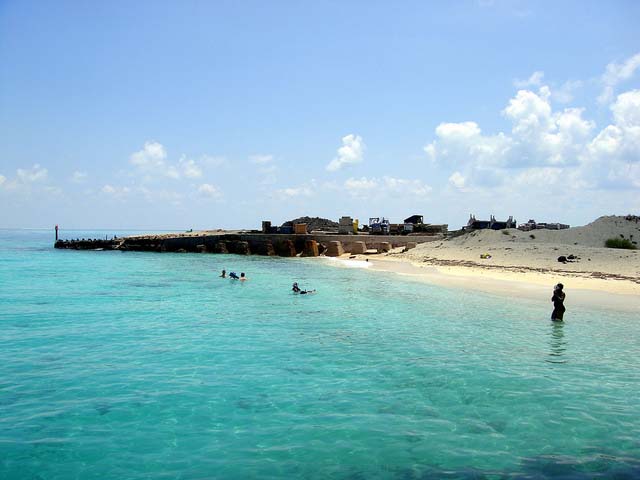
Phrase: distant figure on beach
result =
(558, 303)
(297, 289)
(233, 276)
(223, 274)
(242, 277)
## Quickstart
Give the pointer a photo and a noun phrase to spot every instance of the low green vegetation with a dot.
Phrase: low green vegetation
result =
(620, 243)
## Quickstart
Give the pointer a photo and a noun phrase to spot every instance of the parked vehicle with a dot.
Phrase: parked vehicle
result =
(378, 226)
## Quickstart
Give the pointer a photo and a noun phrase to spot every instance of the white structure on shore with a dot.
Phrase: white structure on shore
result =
(533, 225)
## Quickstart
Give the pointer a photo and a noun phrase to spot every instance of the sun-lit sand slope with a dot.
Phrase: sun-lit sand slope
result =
(538, 250)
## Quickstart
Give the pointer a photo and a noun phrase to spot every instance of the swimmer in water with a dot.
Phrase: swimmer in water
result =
(297, 289)
(242, 277)
(223, 274)
(233, 275)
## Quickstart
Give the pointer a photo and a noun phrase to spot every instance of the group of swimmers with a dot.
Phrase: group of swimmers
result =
(557, 298)
(242, 278)
(233, 276)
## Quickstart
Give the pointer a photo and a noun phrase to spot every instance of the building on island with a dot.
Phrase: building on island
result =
(492, 223)
(533, 225)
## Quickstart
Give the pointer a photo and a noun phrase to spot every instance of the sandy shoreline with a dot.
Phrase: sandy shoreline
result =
(593, 292)
(517, 264)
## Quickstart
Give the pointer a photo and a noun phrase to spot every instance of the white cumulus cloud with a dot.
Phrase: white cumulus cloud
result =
(615, 74)
(351, 151)
(614, 154)
(209, 191)
(626, 109)
(458, 131)
(457, 180)
(35, 174)
(530, 112)
(544, 147)
(151, 156)
(564, 93)
(28, 181)
(189, 167)
(535, 80)
(539, 137)
(457, 143)
(151, 163)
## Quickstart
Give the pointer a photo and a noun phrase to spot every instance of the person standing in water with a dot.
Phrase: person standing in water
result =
(558, 303)
(223, 274)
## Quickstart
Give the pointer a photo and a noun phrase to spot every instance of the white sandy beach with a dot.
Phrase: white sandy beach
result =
(525, 264)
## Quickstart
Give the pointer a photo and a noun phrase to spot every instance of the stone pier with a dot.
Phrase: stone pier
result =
(252, 243)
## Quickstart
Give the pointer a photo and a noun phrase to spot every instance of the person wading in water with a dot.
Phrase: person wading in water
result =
(558, 303)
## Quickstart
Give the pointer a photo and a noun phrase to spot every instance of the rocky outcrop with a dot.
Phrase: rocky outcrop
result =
(314, 223)
(86, 244)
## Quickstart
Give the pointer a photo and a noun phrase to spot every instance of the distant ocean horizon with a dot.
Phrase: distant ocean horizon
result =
(145, 365)
(65, 233)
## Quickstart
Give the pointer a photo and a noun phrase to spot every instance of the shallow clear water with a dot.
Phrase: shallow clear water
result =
(146, 365)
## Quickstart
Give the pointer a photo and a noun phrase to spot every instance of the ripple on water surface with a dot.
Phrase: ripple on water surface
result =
(136, 365)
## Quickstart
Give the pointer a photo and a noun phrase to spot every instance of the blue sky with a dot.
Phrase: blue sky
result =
(215, 114)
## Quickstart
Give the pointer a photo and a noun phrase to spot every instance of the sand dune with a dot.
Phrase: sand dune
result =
(539, 250)
(527, 262)
(592, 235)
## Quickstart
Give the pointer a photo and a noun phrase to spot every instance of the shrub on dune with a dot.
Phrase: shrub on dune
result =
(619, 243)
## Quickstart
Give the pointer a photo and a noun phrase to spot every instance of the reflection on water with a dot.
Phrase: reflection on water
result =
(557, 343)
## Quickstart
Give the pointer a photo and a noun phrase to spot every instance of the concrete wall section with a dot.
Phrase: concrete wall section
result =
(349, 242)
(250, 243)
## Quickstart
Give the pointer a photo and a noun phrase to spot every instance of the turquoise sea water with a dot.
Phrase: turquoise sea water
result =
(143, 365)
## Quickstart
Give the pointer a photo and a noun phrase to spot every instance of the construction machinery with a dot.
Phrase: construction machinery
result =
(378, 226)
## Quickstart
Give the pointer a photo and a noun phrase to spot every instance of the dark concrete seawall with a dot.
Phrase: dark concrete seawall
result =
(248, 243)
